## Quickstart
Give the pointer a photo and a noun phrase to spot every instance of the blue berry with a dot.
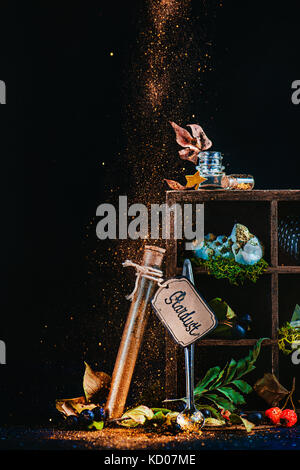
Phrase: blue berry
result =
(238, 332)
(99, 413)
(86, 417)
(245, 320)
(71, 422)
(255, 418)
(206, 413)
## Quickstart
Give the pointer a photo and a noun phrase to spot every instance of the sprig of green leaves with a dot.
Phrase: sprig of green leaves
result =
(225, 388)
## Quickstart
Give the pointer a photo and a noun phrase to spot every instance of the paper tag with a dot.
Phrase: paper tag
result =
(183, 311)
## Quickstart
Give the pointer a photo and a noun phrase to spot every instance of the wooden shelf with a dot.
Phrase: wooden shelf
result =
(221, 195)
(260, 209)
(269, 270)
(234, 342)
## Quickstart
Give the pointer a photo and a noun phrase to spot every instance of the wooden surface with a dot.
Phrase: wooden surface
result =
(220, 195)
(227, 438)
(272, 198)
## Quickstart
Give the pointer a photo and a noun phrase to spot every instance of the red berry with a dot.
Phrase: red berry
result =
(289, 418)
(274, 414)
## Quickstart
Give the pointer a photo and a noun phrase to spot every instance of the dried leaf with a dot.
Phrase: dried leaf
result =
(68, 406)
(136, 416)
(203, 141)
(213, 422)
(171, 418)
(95, 384)
(193, 181)
(237, 419)
(184, 138)
(79, 407)
(190, 155)
(174, 185)
(270, 389)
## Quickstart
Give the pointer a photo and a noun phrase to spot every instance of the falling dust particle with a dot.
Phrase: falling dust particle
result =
(168, 64)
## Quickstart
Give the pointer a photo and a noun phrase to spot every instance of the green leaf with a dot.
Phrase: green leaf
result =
(222, 381)
(248, 425)
(256, 349)
(230, 371)
(242, 386)
(226, 318)
(213, 411)
(210, 375)
(95, 384)
(218, 380)
(159, 416)
(98, 425)
(296, 314)
(237, 419)
(220, 401)
(232, 395)
(241, 367)
(163, 410)
(221, 309)
(245, 365)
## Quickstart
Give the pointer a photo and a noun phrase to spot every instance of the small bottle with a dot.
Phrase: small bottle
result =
(238, 182)
(210, 167)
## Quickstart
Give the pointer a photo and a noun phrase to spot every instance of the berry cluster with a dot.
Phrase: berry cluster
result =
(85, 419)
(286, 417)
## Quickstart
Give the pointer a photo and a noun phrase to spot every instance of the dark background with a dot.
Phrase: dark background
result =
(65, 104)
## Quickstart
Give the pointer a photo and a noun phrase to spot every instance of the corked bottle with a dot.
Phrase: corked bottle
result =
(132, 335)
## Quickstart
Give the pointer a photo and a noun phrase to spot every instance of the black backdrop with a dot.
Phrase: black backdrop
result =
(63, 119)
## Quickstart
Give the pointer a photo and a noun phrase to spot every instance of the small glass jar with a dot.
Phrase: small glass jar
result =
(210, 167)
(238, 182)
(296, 324)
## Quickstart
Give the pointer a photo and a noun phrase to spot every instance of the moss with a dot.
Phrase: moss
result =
(287, 335)
(237, 274)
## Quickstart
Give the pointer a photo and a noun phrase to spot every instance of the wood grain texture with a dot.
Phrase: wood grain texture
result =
(255, 196)
(233, 342)
(220, 195)
(274, 232)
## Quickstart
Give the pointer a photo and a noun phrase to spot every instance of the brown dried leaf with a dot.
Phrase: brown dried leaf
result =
(68, 406)
(187, 154)
(175, 185)
(270, 389)
(184, 138)
(95, 385)
(202, 140)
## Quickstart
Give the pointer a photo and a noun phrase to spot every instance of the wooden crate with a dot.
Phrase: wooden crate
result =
(259, 210)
